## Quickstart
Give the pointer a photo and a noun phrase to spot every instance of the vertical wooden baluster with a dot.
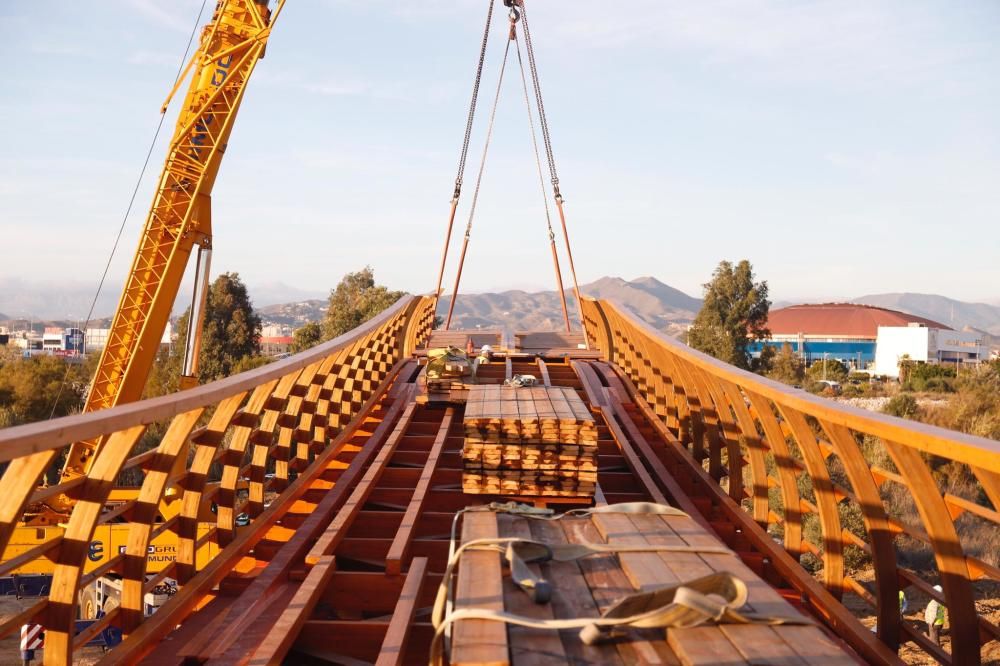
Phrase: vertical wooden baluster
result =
(263, 438)
(787, 473)
(755, 452)
(876, 524)
(61, 610)
(17, 485)
(730, 435)
(143, 518)
(826, 500)
(206, 444)
(710, 417)
(699, 428)
(953, 569)
(225, 497)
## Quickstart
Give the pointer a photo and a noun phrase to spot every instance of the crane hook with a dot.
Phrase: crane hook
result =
(514, 14)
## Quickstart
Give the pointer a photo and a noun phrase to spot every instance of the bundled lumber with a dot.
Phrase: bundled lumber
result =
(446, 375)
(533, 440)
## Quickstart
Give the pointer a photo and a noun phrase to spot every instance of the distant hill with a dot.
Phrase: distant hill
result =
(957, 314)
(660, 305)
(294, 314)
(70, 300)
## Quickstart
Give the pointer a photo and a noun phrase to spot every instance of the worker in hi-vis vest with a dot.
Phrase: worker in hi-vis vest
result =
(934, 617)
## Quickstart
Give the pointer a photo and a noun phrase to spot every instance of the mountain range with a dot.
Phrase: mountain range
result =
(660, 305)
(948, 311)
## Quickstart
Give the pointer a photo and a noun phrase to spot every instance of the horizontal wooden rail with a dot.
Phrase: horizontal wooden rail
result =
(788, 458)
(278, 418)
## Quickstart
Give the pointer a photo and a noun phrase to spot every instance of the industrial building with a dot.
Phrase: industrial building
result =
(870, 338)
(926, 345)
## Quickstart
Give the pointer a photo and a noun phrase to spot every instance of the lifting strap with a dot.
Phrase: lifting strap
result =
(547, 139)
(479, 180)
(517, 14)
(465, 151)
(715, 598)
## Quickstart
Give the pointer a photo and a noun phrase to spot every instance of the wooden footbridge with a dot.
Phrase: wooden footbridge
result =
(354, 484)
(313, 510)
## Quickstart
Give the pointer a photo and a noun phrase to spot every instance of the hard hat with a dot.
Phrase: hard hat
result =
(938, 588)
(486, 348)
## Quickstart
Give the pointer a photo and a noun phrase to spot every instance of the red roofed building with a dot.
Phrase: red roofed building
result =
(851, 333)
(839, 321)
(275, 345)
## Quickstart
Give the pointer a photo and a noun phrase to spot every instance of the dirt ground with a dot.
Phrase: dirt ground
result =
(10, 652)
(988, 604)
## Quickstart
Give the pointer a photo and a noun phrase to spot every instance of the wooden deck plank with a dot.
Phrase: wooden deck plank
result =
(571, 597)
(648, 571)
(814, 646)
(528, 647)
(401, 542)
(397, 635)
(701, 646)
(337, 529)
(479, 585)
(279, 639)
(608, 584)
(762, 647)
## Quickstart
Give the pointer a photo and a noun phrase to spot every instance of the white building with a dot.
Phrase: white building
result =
(275, 331)
(97, 338)
(922, 344)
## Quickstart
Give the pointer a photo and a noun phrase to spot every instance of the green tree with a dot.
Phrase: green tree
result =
(307, 336)
(835, 370)
(733, 314)
(32, 389)
(354, 301)
(787, 367)
(230, 335)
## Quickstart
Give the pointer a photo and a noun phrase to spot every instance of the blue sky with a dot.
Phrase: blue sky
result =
(843, 147)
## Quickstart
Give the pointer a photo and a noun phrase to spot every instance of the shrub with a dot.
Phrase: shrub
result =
(904, 406)
(835, 370)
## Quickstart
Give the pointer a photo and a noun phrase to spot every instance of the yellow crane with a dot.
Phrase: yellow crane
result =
(179, 220)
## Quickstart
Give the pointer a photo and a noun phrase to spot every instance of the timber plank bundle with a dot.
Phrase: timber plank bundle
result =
(533, 440)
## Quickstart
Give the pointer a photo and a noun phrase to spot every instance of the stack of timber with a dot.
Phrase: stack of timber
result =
(529, 441)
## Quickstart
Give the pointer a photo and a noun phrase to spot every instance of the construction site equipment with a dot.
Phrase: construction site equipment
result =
(178, 221)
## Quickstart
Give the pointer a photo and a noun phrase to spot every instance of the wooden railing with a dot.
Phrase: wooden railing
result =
(234, 431)
(791, 459)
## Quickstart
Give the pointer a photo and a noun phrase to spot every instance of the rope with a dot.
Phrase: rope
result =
(464, 152)
(541, 183)
(472, 105)
(128, 209)
(547, 139)
(479, 181)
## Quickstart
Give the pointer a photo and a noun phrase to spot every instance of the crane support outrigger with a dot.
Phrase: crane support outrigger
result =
(179, 220)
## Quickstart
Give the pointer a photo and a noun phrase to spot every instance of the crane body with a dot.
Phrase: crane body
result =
(179, 220)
